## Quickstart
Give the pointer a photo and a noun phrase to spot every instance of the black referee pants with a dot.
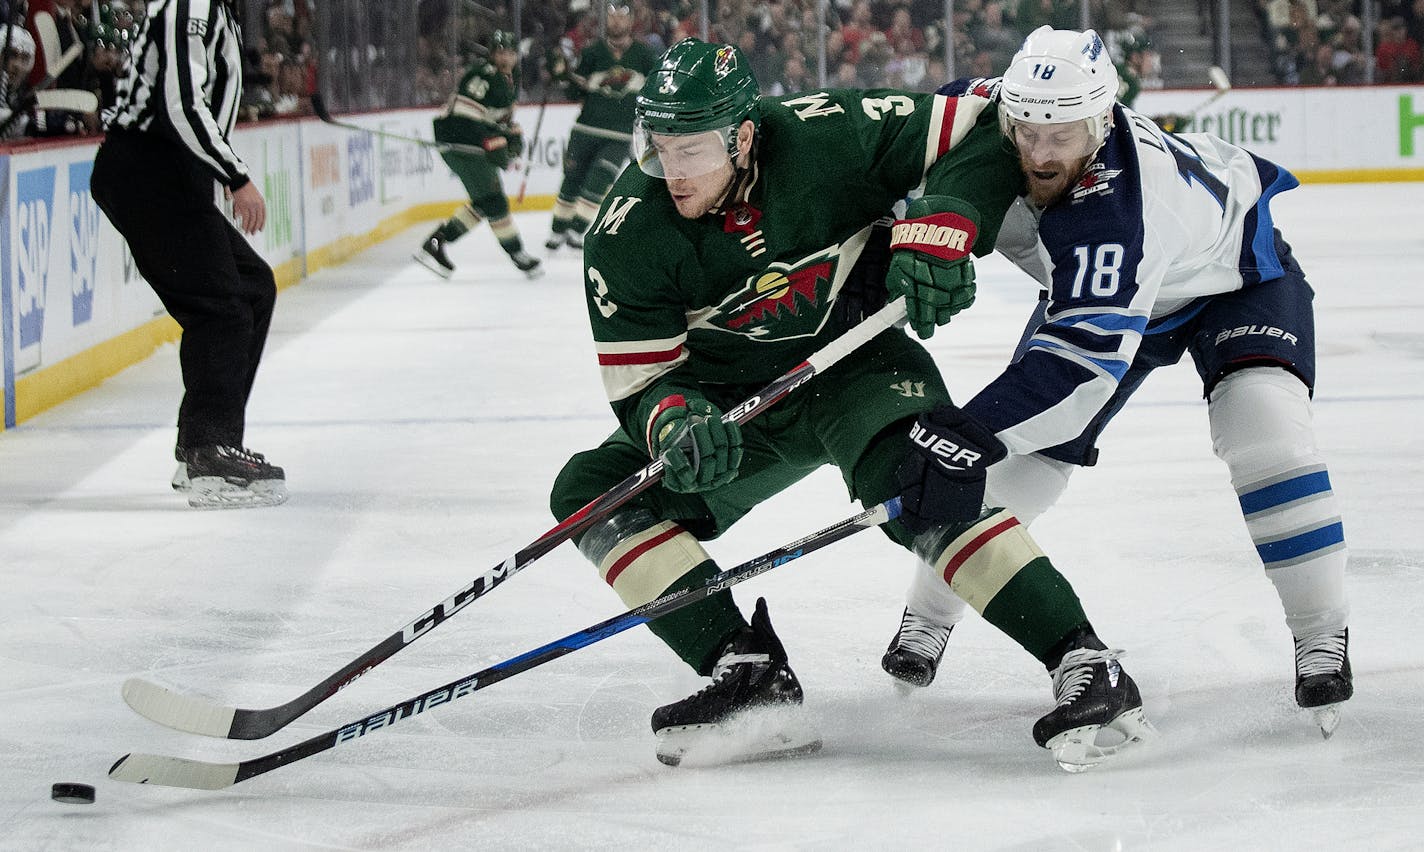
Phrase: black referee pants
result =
(221, 292)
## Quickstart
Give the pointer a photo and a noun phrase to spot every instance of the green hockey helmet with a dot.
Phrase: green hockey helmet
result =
(697, 88)
(503, 40)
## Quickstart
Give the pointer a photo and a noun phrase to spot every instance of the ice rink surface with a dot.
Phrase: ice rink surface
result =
(421, 423)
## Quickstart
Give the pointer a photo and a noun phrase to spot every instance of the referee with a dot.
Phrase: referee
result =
(154, 178)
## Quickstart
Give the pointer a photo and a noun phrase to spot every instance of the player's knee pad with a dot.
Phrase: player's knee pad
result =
(639, 555)
(976, 560)
(1027, 485)
(1261, 423)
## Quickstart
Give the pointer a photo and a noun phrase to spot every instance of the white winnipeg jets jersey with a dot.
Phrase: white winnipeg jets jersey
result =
(1157, 223)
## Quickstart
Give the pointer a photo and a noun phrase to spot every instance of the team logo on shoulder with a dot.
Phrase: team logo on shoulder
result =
(783, 301)
(725, 62)
(1097, 181)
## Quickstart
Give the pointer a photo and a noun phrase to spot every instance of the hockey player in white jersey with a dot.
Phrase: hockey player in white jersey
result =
(1150, 245)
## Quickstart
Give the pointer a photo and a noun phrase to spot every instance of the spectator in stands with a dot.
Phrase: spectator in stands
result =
(1320, 71)
(1350, 58)
(857, 29)
(794, 77)
(848, 76)
(19, 58)
(1398, 59)
(1033, 14)
(904, 36)
(989, 33)
(292, 95)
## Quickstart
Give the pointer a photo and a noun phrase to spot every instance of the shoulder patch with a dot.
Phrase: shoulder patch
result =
(616, 211)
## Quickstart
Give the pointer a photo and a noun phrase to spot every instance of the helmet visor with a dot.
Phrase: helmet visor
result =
(681, 156)
(1065, 142)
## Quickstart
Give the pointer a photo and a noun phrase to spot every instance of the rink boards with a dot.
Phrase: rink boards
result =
(74, 311)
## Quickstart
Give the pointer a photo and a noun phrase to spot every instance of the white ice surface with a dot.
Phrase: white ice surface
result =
(421, 423)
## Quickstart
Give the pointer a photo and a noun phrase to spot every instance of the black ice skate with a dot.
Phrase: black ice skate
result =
(714, 725)
(574, 239)
(555, 241)
(1093, 692)
(530, 266)
(1322, 676)
(431, 255)
(914, 654)
(220, 477)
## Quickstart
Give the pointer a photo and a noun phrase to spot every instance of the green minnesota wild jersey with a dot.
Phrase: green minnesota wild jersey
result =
(742, 294)
(613, 85)
(481, 106)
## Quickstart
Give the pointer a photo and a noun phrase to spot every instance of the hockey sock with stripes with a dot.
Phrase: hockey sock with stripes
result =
(643, 559)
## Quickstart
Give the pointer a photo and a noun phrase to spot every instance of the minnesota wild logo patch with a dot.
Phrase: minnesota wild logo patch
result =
(783, 301)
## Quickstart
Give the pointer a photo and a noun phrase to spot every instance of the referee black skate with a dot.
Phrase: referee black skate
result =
(154, 178)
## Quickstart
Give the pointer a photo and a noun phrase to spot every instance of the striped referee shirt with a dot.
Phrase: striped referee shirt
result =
(185, 82)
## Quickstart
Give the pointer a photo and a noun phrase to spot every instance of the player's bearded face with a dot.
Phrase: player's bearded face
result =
(1053, 156)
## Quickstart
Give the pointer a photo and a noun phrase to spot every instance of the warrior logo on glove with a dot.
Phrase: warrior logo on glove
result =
(930, 263)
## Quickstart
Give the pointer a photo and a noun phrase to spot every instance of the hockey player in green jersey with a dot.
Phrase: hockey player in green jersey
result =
(480, 114)
(729, 254)
(609, 74)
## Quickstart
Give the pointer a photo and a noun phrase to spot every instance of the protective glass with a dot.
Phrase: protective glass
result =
(1066, 142)
(683, 156)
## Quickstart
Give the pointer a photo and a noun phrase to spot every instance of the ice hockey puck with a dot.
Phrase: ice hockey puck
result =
(72, 794)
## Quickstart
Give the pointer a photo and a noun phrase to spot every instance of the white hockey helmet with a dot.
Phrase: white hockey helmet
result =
(1059, 76)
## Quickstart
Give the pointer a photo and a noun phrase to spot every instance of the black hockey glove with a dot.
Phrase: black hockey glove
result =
(942, 477)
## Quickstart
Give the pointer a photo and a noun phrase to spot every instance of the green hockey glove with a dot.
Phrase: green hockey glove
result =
(930, 262)
(698, 450)
(516, 143)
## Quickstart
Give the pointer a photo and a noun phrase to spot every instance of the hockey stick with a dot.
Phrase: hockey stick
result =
(199, 775)
(20, 106)
(1222, 85)
(202, 716)
(533, 147)
(319, 109)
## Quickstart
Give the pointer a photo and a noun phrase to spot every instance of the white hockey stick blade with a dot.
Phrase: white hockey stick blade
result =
(174, 772)
(1218, 78)
(166, 707)
(71, 100)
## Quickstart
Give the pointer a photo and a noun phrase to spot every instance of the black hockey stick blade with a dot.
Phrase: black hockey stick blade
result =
(202, 716)
(318, 105)
(167, 771)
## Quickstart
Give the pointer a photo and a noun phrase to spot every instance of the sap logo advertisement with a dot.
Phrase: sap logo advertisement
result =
(83, 243)
(34, 220)
(361, 159)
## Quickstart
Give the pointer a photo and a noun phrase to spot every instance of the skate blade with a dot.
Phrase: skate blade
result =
(428, 262)
(760, 735)
(214, 492)
(536, 272)
(1327, 717)
(904, 688)
(1078, 749)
